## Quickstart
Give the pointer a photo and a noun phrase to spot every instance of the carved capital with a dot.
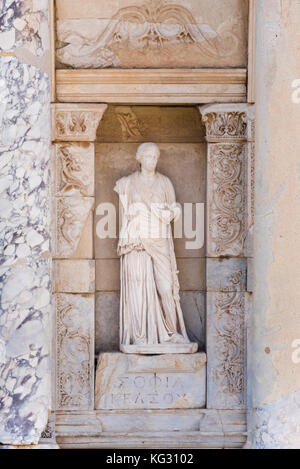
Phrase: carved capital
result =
(76, 122)
(225, 126)
(74, 351)
(227, 123)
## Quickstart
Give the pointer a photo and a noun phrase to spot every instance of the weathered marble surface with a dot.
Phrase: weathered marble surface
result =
(73, 169)
(226, 274)
(273, 373)
(157, 382)
(24, 240)
(162, 428)
(226, 349)
(70, 219)
(24, 24)
(107, 320)
(162, 124)
(156, 33)
(74, 276)
(74, 351)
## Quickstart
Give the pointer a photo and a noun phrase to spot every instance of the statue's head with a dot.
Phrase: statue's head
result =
(147, 155)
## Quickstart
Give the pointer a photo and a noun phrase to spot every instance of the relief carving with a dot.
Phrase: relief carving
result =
(155, 382)
(75, 169)
(132, 127)
(226, 200)
(148, 35)
(225, 125)
(251, 177)
(71, 217)
(76, 122)
(228, 373)
(74, 351)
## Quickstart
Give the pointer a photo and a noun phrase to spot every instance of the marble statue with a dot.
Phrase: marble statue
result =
(151, 319)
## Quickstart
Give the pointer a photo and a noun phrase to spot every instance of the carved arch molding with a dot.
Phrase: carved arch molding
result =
(230, 171)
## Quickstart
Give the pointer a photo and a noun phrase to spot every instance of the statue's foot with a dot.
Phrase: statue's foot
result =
(140, 342)
(178, 339)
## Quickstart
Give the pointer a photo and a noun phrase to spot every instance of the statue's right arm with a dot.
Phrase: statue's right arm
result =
(121, 189)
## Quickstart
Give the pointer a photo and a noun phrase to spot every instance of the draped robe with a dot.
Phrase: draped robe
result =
(150, 311)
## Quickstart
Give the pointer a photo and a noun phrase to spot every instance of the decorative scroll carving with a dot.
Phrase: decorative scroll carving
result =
(76, 122)
(251, 177)
(150, 29)
(74, 351)
(74, 169)
(228, 374)
(132, 127)
(236, 281)
(226, 200)
(71, 216)
(225, 125)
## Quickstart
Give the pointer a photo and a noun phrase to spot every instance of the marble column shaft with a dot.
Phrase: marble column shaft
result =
(25, 285)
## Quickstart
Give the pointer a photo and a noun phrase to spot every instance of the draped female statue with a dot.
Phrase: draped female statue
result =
(151, 319)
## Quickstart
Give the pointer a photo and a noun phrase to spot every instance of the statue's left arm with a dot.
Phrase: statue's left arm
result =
(170, 210)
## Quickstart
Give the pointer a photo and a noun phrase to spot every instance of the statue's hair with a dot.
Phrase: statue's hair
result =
(142, 147)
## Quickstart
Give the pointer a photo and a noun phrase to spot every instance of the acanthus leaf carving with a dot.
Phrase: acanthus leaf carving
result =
(222, 126)
(76, 122)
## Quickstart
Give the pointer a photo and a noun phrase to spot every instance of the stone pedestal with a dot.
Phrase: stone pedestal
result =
(159, 349)
(156, 382)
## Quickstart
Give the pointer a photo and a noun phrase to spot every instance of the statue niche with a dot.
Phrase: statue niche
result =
(151, 319)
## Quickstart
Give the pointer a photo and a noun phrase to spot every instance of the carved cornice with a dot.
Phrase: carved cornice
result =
(75, 122)
(146, 86)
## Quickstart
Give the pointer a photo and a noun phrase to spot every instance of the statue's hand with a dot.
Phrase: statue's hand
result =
(163, 212)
